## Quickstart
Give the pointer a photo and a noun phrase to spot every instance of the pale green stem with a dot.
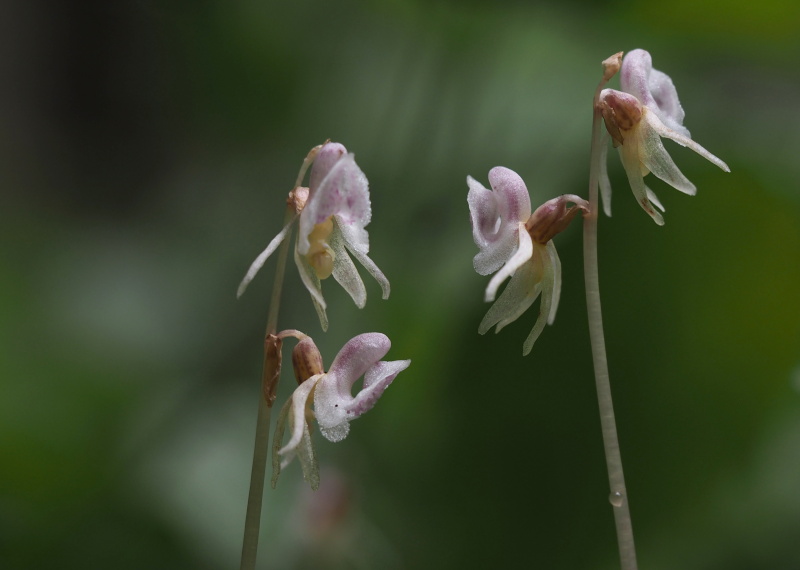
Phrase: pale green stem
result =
(618, 495)
(252, 521)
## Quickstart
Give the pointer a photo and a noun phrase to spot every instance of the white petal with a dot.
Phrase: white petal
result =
(262, 257)
(297, 416)
(516, 298)
(654, 156)
(357, 242)
(629, 155)
(344, 271)
(523, 254)
(544, 309)
(666, 132)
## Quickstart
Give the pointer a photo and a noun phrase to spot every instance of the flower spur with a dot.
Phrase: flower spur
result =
(636, 119)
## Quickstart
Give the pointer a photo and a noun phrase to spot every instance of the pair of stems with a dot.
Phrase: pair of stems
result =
(252, 522)
(618, 496)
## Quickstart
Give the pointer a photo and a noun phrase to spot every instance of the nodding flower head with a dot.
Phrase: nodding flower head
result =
(333, 212)
(636, 119)
(334, 404)
(518, 244)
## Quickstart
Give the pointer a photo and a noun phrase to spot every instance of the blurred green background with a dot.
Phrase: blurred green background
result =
(147, 148)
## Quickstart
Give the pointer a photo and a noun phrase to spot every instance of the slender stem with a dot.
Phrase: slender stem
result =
(252, 522)
(618, 496)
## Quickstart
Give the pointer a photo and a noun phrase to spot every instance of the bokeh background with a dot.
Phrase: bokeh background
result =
(146, 150)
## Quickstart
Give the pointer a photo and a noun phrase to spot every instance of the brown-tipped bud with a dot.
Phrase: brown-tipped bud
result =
(621, 112)
(611, 65)
(554, 216)
(307, 360)
(297, 199)
(272, 367)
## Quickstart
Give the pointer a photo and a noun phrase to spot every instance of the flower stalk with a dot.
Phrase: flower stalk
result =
(618, 494)
(269, 381)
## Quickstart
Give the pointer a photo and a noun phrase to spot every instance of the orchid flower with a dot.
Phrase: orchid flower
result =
(333, 212)
(518, 244)
(334, 405)
(636, 118)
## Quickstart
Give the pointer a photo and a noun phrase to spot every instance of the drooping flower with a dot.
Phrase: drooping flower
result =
(636, 118)
(334, 404)
(333, 212)
(518, 244)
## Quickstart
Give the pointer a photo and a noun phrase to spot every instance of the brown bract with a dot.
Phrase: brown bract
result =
(553, 217)
(621, 112)
(306, 360)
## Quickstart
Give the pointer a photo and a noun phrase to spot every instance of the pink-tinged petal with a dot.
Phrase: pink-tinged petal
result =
(514, 200)
(354, 359)
(344, 192)
(356, 241)
(522, 255)
(494, 215)
(345, 272)
(664, 131)
(334, 404)
(516, 298)
(263, 256)
(653, 88)
(376, 380)
(326, 158)
(604, 180)
(656, 159)
(629, 155)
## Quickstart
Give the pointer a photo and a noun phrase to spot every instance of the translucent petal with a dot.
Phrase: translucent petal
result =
(314, 287)
(262, 257)
(358, 246)
(343, 192)
(605, 182)
(555, 264)
(666, 132)
(516, 298)
(344, 271)
(655, 157)
(544, 309)
(629, 155)
(523, 254)
(277, 440)
(297, 416)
